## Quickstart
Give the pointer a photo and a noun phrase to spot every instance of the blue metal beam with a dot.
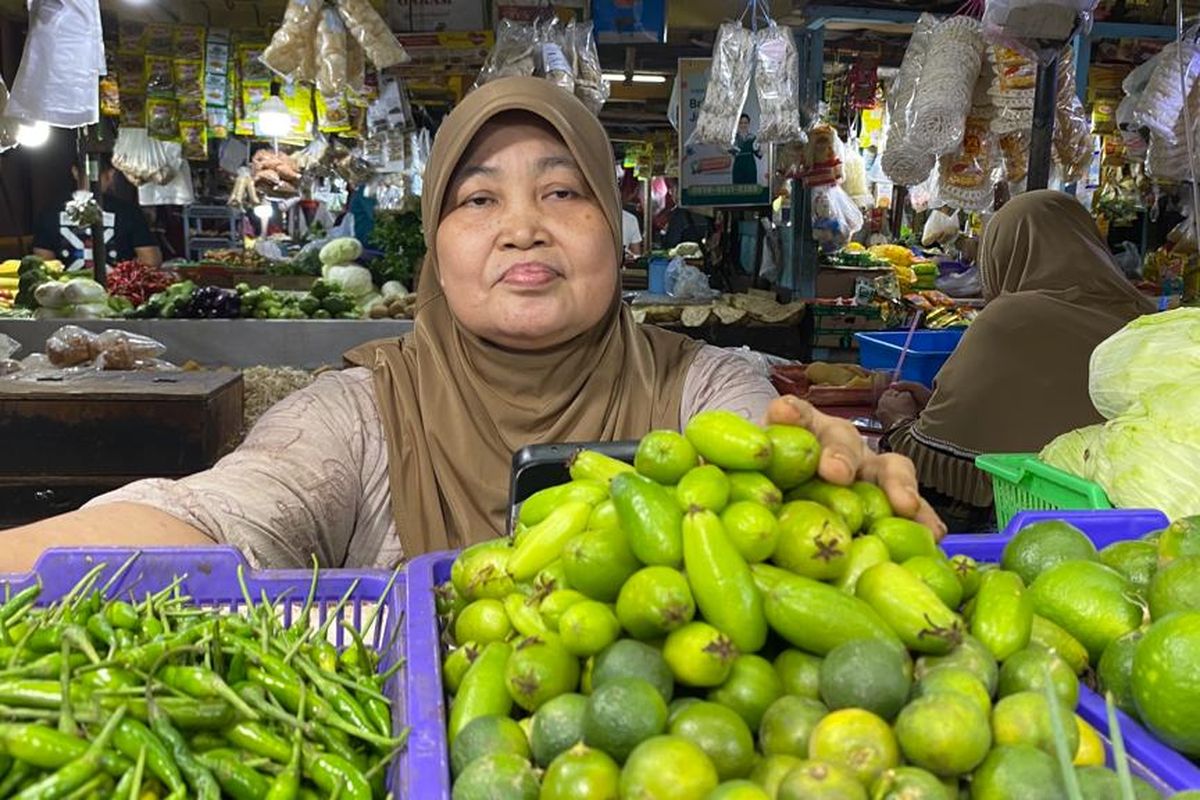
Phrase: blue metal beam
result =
(818, 15)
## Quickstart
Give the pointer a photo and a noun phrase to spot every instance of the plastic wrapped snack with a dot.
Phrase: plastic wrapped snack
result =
(728, 85)
(947, 85)
(777, 81)
(295, 39)
(1160, 105)
(835, 218)
(590, 86)
(122, 350)
(1072, 133)
(372, 33)
(331, 43)
(1014, 148)
(356, 67)
(140, 158)
(900, 96)
(513, 55)
(556, 48)
(70, 346)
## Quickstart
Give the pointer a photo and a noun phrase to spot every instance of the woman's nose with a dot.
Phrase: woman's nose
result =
(522, 226)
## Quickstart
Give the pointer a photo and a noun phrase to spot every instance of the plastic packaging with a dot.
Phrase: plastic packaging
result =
(1073, 147)
(513, 55)
(61, 66)
(940, 228)
(142, 159)
(122, 350)
(295, 39)
(947, 85)
(777, 82)
(835, 218)
(331, 44)
(965, 176)
(8, 127)
(590, 86)
(1160, 105)
(70, 346)
(176, 192)
(372, 33)
(8, 346)
(728, 85)
(1015, 23)
(1014, 149)
(557, 51)
(686, 282)
(854, 176)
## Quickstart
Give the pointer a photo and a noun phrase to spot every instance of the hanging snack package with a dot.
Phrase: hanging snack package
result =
(557, 50)
(728, 85)
(904, 163)
(162, 118)
(1160, 105)
(372, 33)
(1014, 147)
(133, 110)
(294, 40)
(590, 86)
(966, 174)
(947, 85)
(195, 140)
(823, 161)
(513, 55)
(160, 76)
(777, 81)
(160, 39)
(1073, 143)
(331, 43)
(835, 218)
(189, 42)
(110, 96)
(131, 35)
(356, 69)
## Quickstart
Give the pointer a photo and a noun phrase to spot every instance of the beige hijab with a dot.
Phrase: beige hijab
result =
(456, 407)
(1019, 376)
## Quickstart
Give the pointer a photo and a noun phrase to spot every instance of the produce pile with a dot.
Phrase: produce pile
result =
(158, 697)
(714, 621)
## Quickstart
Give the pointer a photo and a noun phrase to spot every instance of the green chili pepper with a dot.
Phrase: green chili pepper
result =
(379, 712)
(47, 666)
(78, 772)
(47, 748)
(21, 772)
(237, 780)
(328, 772)
(100, 630)
(144, 657)
(184, 712)
(204, 684)
(287, 783)
(151, 627)
(131, 782)
(325, 656)
(198, 777)
(341, 700)
(237, 668)
(256, 738)
(98, 788)
(133, 737)
(107, 677)
(20, 601)
(122, 615)
(288, 696)
(204, 741)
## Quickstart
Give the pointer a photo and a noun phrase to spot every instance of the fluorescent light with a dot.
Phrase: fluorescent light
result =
(274, 119)
(637, 77)
(33, 135)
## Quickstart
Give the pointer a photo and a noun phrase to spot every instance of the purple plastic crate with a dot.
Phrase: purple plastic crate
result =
(426, 760)
(209, 576)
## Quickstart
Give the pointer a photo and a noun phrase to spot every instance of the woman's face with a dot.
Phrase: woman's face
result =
(526, 255)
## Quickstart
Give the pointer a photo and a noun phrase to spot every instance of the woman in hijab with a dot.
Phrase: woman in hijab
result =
(520, 337)
(1019, 377)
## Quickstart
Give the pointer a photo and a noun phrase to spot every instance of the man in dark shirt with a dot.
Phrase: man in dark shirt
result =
(125, 230)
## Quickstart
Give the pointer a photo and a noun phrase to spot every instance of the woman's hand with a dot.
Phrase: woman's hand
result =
(845, 458)
(901, 401)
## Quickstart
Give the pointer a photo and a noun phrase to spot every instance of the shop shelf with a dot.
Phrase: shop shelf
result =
(1021, 482)
(927, 352)
(209, 575)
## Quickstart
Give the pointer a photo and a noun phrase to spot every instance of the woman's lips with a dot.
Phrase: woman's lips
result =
(529, 274)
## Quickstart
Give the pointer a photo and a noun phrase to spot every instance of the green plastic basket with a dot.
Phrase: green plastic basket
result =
(1022, 483)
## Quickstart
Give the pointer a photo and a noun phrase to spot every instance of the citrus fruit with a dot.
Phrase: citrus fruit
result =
(936, 573)
(813, 541)
(1097, 782)
(654, 602)
(667, 768)
(751, 688)
(500, 775)
(482, 621)
(738, 790)
(770, 772)
(910, 783)
(482, 570)
(626, 658)
(795, 453)
(556, 602)
(598, 562)
(867, 674)
(1166, 688)
(581, 773)
(754, 487)
(800, 673)
(1092, 602)
(946, 733)
(1136, 560)
(587, 628)
(856, 739)
(699, 655)
(556, 727)
(820, 779)
(1025, 671)
(621, 714)
(1180, 538)
(1091, 746)
(874, 500)
(484, 736)
(1042, 545)
(721, 734)
(1052, 637)
(967, 573)
(705, 487)
(955, 679)
(678, 706)
(1175, 587)
(970, 654)
(1115, 670)
(752, 529)
(538, 670)
(1024, 718)
(1017, 772)
(788, 724)
(664, 456)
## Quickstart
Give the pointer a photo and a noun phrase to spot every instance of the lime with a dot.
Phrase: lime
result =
(1091, 746)
(699, 655)
(1175, 587)
(1025, 671)
(820, 779)
(678, 706)
(482, 570)
(501, 776)
(484, 736)
(946, 733)
(752, 529)
(626, 658)
(1097, 782)
(955, 679)
(738, 790)
(813, 541)
(875, 503)
(667, 768)
(867, 674)
(706, 487)
(538, 670)
(621, 715)
(721, 734)
(1042, 545)
(1024, 718)
(800, 673)
(556, 727)
(858, 740)
(598, 562)
(483, 621)
(654, 602)
(581, 773)
(587, 628)
(1017, 772)
(788, 724)
(795, 453)
(936, 573)
(556, 602)
(751, 688)
(910, 783)
(967, 572)
(1092, 602)
(970, 654)
(770, 772)
(1136, 560)
(1114, 673)
(1165, 688)
(1180, 538)
(664, 456)
(754, 487)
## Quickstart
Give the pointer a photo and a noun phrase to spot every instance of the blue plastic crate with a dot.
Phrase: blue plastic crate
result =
(927, 352)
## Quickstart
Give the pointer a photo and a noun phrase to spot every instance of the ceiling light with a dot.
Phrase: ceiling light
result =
(637, 77)
(274, 119)
(33, 134)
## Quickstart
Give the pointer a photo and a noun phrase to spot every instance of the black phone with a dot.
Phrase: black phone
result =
(540, 466)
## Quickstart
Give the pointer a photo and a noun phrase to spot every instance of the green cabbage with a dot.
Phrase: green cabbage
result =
(1073, 451)
(343, 250)
(353, 279)
(1150, 351)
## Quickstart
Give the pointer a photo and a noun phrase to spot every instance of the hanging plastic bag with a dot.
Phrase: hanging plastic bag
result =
(777, 82)
(944, 93)
(142, 159)
(178, 191)
(372, 34)
(940, 229)
(728, 85)
(835, 218)
(331, 43)
(1160, 105)
(513, 54)
(8, 127)
(590, 86)
(61, 66)
(294, 40)
(854, 176)
(557, 54)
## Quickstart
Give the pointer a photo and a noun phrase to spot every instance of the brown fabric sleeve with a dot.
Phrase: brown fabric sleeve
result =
(725, 380)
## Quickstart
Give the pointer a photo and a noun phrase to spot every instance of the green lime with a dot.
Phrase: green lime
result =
(800, 673)
(738, 790)
(1165, 689)
(770, 772)
(721, 734)
(827, 781)
(556, 727)
(946, 733)
(1092, 602)
(699, 655)
(483, 621)
(482, 570)
(1042, 545)
(664, 456)
(621, 715)
(1114, 673)
(937, 573)
(1175, 587)
(970, 654)
(654, 602)
(910, 783)
(538, 670)
(788, 724)
(500, 776)
(598, 562)
(751, 688)
(1101, 783)
(705, 487)
(1135, 559)
(1017, 771)
(795, 454)
(626, 658)
(858, 740)
(667, 768)
(752, 529)
(1180, 538)
(1024, 718)
(484, 736)
(678, 706)
(1025, 671)
(955, 679)
(587, 628)
(581, 773)
(867, 674)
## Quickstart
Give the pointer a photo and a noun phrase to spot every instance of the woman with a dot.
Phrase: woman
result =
(746, 153)
(520, 337)
(1019, 377)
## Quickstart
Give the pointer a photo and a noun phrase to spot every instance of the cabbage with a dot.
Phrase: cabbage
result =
(393, 290)
(90, 311)
(1150, 351)
(50, 295)
(83, 290)
(341, 251)
(1073, 451)
(353, 279)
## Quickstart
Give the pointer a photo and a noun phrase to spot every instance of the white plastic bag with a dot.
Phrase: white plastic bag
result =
(141, 158)
(62, 62)
(940, 228)
(178, 192)
(835, 218)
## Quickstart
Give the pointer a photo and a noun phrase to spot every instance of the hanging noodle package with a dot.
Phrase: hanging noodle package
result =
(777, 82)
(728, 85)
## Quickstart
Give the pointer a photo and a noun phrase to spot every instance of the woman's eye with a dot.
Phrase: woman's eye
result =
(477, 201)
(564, 194)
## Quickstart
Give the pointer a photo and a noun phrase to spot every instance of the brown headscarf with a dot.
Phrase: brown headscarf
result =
(456, 407)
(1019, 376)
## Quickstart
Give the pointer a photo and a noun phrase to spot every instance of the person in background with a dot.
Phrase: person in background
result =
(746, 153)
(631, 233)
(128, 235)
(1019, 377)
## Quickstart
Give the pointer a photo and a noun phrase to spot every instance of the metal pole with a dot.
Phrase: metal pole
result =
(647, 216)
(1041, 140)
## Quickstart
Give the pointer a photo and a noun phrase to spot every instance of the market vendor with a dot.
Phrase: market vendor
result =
(520, 337)
(1019, 377)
